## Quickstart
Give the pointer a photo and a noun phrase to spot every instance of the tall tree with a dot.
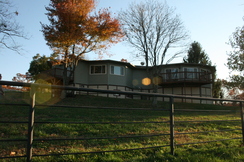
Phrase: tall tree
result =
(153, 28)
(9, 28)
(197, 55)
(236, 58)
(75, 29)
(217, 90)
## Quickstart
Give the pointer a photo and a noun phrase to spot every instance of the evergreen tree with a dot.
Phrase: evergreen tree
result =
(197, 55)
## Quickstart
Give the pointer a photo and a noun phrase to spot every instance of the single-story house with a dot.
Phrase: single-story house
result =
(180, 78)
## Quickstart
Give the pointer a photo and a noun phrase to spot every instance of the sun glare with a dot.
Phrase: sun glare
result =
(146, 81)
(42, 95)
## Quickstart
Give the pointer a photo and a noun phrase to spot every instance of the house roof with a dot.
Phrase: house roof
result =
(112, 61)
(212, 68)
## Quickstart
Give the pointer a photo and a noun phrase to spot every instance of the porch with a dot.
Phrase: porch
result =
(186, 78)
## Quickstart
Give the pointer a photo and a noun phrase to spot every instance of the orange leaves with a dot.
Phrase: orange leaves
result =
(75, 7)
(75, 24)
(106, 27)
(72, 22)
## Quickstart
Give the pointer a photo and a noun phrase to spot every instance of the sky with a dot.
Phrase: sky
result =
(209, 22)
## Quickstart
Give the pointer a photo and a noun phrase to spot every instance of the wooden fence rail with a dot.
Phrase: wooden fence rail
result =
(171, 109)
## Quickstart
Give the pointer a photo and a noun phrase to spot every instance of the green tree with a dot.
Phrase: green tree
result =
(40, 64)
(217, 89)
(235, 61)
(197, 55)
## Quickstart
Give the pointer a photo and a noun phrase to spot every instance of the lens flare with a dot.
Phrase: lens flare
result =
(146, 81)
(157, 80)
(135, 82)
(42, 94)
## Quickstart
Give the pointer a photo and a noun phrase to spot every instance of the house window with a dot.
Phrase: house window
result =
(98, 69)
(190, 73)
(117, 70)
(172, 74)
(205, 75)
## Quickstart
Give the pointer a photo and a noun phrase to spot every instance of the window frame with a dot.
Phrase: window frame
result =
(93, 71)
(191, 74)
(205, 74)
(172, 75)
(121, 67)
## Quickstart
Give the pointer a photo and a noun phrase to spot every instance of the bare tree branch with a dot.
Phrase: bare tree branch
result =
(9, 28)
(152, 28)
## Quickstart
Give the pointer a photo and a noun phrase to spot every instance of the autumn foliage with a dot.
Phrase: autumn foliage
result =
(24, 78)
(75, 28)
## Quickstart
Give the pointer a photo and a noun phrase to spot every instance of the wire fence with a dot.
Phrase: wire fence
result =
(177, 131)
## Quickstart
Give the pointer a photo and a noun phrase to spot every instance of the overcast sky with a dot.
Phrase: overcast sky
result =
(209, 22)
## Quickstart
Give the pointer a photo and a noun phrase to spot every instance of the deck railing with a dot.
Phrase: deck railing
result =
(201, 77)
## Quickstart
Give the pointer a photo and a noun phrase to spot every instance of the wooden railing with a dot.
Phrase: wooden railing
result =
(197, 77)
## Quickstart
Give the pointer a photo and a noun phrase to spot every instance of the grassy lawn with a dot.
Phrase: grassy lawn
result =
(114, 124)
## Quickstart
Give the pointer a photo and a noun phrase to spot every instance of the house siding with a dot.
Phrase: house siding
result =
(98, 78)
(132, 77)
(117, 79)
(138, 76)
(81, 73)
(129, 77)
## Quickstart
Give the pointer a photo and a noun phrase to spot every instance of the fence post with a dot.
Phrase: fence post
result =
(242, 120)
(31, 125)
(172, 145)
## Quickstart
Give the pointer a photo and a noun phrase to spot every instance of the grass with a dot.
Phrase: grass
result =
(230, 150)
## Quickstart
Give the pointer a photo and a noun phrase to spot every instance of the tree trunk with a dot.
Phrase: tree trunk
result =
(65, 78)
(65, 82)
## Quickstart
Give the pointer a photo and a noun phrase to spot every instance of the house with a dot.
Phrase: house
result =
(179, 78)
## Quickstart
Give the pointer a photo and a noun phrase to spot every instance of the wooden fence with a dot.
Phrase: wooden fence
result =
(171, 120)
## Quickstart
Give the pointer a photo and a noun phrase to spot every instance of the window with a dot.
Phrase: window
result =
(171, 74)
(98, 69)
(117, 70)
(190, 73)
(205, 75)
